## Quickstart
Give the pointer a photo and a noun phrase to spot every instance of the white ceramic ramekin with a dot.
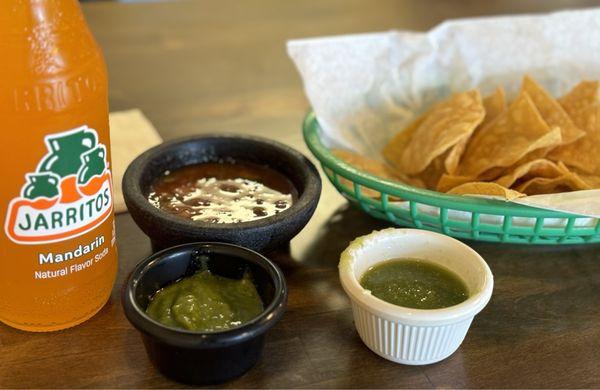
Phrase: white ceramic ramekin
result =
(413, 336)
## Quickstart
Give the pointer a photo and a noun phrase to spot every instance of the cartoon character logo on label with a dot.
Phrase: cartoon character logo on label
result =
(69, 194)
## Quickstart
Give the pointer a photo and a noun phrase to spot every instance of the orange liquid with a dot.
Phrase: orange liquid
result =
(58, 257)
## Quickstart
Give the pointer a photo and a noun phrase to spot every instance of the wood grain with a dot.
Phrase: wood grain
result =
(213, 66)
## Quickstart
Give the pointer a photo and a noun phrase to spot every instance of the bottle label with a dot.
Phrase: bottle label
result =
(69, 193)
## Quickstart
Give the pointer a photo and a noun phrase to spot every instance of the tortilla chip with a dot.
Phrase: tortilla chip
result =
(394, 149)
(584, 154)
(523, 146)
(431, 175)
(534, 176)
(493, 104)
(537, 168)
(485, 188)
(543, 185)
(373, 167)
(579, 98)
(591, 180)
(447, 182)
(452, 159)
(566, 181)
(364, 163)
(445, 125)
(551, 111)
(516, 132)
(539, 154)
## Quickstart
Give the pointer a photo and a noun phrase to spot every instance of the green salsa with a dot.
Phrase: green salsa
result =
(206, 302)
(414, 283)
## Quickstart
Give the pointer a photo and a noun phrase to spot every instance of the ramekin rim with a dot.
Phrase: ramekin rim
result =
(467, 309)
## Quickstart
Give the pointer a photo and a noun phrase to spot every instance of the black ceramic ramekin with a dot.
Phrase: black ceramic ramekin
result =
(210, 357)
(165, 229)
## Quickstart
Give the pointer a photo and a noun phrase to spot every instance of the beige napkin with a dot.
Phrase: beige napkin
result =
(131, 133)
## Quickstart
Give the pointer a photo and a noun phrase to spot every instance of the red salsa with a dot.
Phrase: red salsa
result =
(223, 192)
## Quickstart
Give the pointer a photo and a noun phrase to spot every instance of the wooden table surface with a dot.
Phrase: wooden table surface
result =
(212, 66)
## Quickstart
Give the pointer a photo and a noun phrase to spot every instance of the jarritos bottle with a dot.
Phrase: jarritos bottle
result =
(58, 257)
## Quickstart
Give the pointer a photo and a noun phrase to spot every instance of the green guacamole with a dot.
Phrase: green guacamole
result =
(206, 302)
(414, 283)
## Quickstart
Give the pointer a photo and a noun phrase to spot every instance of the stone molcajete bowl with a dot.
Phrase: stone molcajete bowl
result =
(166, 230)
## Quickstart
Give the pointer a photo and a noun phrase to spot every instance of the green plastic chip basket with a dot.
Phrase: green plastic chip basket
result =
(458, 216)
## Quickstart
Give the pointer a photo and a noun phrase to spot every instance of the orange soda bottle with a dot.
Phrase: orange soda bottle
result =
(58, 258)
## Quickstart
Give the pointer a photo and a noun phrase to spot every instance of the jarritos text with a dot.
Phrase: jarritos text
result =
(70, 192)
